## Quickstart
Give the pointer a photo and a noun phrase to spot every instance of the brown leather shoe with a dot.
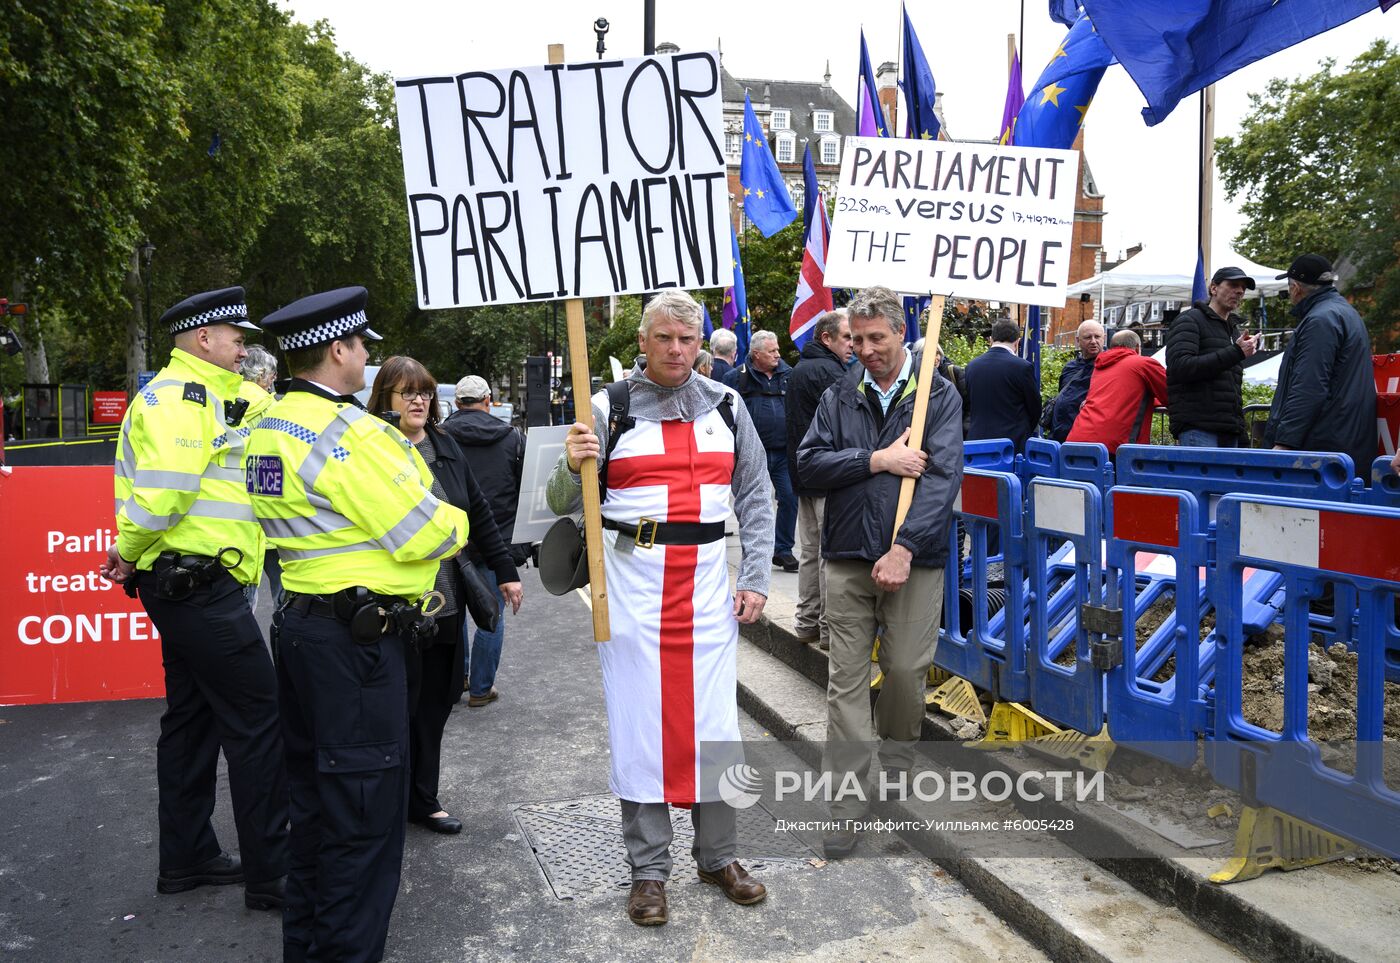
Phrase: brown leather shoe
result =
(646, 904)
(737, 884)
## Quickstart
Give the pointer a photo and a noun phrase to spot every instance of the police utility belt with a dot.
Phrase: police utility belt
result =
(371, 616)
(177, 575)
(648, 532)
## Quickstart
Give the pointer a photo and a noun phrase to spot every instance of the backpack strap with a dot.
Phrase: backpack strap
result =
(619, 421)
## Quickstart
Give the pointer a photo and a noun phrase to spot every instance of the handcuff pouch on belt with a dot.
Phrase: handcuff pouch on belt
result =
(369, 618)
(177, 575)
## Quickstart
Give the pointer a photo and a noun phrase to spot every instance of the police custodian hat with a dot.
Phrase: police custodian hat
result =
(224, 306)
(320, 319)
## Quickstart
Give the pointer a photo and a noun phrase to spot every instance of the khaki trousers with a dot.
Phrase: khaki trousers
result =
(907, 621)
(811, 569)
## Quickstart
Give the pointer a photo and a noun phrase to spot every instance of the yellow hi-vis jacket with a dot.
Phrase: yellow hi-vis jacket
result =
(346, 499)
(179, 472)
(258, 403)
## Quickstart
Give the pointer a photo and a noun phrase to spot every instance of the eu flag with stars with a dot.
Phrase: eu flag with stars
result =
(914, 307)
(766, 199)
(919, 118)
(707, 327)
(1172, 48)
(735, 314)
(1056, 105)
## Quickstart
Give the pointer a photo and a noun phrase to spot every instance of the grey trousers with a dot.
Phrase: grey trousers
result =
(646, 831)
(907, 621)
(811, 570)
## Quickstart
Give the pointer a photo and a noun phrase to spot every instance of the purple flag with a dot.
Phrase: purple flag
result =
(870, 119)
(1015, 98)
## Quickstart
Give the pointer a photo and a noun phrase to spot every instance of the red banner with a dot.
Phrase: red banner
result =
(108, 407)
(66, 633)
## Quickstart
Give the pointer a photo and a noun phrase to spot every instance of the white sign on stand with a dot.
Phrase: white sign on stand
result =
(566, 181)
(543, 446)
(976, 220)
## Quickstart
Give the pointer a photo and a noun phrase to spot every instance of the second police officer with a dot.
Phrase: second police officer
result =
(345, 499)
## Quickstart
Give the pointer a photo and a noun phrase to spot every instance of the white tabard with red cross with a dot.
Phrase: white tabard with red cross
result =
(669, 671)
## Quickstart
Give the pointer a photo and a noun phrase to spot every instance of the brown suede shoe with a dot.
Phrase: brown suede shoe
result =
(737, 884)
(646, 904)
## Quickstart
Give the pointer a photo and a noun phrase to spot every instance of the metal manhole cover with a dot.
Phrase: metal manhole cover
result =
(578, 844)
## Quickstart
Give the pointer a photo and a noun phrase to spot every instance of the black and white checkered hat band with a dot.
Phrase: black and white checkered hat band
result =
(325, 331)
(226, 313)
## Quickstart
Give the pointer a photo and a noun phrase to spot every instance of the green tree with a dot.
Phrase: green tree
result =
(83, 91)
(1316, 163)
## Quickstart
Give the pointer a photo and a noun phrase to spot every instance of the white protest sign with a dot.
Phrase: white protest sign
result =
(973, 220)
(533, 517)
(566, 181)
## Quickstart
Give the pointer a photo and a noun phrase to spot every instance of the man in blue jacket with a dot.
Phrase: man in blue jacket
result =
(1326, 397)
(857, 449)
(1074, 380)
(762, 383)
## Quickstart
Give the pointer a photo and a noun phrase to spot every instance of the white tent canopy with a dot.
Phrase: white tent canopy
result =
(1164, 272)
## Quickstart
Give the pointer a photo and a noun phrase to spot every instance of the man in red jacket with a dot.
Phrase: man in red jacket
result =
(1122, 395)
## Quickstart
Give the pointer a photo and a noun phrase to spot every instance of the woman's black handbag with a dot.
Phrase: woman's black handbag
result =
(482, 604)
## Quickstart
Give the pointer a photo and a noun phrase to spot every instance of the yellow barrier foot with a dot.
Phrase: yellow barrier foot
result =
(937, 676)
(1269, 839)
(957, 697)
(1012, 723)
(1091, 752)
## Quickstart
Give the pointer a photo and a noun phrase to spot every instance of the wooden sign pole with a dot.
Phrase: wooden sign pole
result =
(588, 470)
(927, 372)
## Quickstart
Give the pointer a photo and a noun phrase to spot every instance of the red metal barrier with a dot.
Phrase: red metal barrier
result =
(66, 634)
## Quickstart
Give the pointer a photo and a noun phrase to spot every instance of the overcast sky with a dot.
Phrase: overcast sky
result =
(1148, 174)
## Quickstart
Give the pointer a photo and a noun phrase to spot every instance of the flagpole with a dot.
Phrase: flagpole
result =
(588, 468)
(1206, 183)
(1011, 56)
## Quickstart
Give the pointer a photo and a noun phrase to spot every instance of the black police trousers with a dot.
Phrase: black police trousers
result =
(345, 728)
(220, 690)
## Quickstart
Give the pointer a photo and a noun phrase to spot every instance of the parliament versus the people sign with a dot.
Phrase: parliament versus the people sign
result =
(973, 220)
(566, 181)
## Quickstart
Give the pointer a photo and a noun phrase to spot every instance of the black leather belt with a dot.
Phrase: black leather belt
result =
(325, 605)
(648, 532)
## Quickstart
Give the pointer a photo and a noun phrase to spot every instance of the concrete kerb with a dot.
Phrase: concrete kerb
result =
(1152, 869)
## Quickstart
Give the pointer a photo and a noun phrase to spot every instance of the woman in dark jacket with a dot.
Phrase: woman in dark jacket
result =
(404, 388)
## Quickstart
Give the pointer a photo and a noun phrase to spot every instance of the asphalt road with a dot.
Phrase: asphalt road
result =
(78, 850)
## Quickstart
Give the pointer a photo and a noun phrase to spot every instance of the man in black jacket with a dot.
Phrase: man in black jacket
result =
(1002, 391)
(823, 363)
(1205, 373)
(1326, 398)
(857, 449)
(496, 452)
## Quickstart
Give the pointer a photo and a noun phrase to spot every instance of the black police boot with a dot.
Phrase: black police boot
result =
(269, 895)
(220, 870)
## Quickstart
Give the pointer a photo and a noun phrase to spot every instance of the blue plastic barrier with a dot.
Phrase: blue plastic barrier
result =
(1385, 485)
(1310, 543)
(1087, 462)
(990, 653)
(1164, 715)
(990, 454)
(1041, 459)
(1064, 537)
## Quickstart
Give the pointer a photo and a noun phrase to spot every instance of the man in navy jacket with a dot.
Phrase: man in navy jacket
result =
(762, 383)
(857, 450)
(1002, 391)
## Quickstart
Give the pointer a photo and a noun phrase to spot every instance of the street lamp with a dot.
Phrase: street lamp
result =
(147, 250)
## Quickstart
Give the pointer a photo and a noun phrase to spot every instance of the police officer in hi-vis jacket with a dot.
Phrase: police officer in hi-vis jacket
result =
(188, 543)
(345, 499)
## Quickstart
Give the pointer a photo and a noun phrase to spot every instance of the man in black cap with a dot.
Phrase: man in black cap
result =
(189, 545)
(1326, 396)
(1205, 370)
(346, 501)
